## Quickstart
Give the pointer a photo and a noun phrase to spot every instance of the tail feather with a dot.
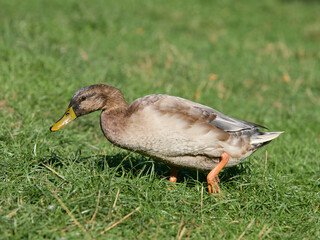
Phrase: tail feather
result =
(265, 137)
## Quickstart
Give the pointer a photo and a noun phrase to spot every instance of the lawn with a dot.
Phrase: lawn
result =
(253, 60)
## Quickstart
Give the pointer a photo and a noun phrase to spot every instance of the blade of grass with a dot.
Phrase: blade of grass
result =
(96, 211)
(54, 171)
(70, 214)
(121, 220)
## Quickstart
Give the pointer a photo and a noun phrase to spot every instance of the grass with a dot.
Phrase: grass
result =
(253, 60)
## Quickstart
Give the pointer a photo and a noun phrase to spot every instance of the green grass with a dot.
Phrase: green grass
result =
(253, 60)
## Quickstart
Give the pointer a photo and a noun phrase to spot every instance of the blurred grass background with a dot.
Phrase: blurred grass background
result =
(253, 60)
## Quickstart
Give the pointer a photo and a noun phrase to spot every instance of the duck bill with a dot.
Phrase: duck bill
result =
(68, 116)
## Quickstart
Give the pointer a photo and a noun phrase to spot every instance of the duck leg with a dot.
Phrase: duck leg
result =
(173, 176)
(213, 178)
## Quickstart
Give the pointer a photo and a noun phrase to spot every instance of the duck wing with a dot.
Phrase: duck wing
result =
(186, 109)
(220, 120)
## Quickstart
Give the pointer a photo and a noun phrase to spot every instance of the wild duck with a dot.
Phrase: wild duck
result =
(173, 130)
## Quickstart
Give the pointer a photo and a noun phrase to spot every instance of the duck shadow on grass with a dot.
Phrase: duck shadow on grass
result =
(138, 165)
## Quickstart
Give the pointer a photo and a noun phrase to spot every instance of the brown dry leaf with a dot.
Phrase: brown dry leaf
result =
(214, 37)
(278, 48)
(14, 95)
(220, 95)
(277, 105)
(146, 65)
(16, 124)
(197, 95)
(260, 98)
(84, 55)
(311, 96)
(248, 82)
(169, 61)
(213, 77)
(3, 104)
(10, 110)
(286, 78)
(140, 30)
(12, 213)
(221, 87)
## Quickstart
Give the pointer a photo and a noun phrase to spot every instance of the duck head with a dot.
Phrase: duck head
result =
(86, 100)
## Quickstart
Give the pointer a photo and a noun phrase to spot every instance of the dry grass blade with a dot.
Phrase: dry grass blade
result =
(180, 225)
(70, 214)
(182, 232)
(96, 211)
(121, 220)
(316, 209)
(54, 171)
(12, 213)
(244, 232)
(267, 232)
(201, 203)
(116, 199)
(265, 164)
(262, 230)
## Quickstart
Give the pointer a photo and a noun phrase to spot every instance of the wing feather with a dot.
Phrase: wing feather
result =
(222, 121)
(181, 106)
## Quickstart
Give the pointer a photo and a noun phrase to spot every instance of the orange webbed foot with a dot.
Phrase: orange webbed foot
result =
(212, 178)
(173, 177)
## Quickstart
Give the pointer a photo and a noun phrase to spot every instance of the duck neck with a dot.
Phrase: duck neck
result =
(115, 104)
(113, 116)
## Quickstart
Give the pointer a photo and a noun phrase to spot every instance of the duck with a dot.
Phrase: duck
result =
(176, 131)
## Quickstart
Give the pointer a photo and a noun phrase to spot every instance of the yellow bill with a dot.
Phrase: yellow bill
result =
(68, 116)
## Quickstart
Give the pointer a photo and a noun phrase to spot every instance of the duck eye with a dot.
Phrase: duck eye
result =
(83, 98)
(67, 113)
